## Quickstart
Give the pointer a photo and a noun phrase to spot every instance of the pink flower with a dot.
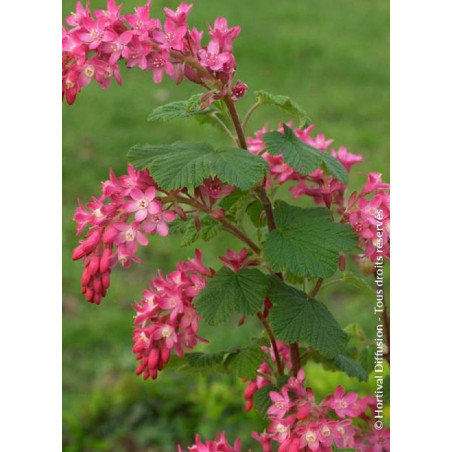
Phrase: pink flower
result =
(136, 52)
(117, 46)
(346, 158)
(235, 260)
(178, 17)
(159, 63)
(212, 58)
(81, 13)
(129, 235)
(96, 32)
(213, 189)
(157, 222)
(140, 22)
(219, 445)
(374, 183)
(224, 35)
(172, 37)
(281, 404)
(343, 404)
(143, 204)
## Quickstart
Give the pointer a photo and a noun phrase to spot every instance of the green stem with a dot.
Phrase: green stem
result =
(224, 127)
(249, 113)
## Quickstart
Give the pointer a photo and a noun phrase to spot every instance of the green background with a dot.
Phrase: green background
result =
(331, 57)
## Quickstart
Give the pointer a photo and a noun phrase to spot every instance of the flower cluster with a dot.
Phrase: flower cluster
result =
(324, 189)
(370, 218)
(166, 319)
(219, 445)
(298, 423)
(117, 222)
(93, 44)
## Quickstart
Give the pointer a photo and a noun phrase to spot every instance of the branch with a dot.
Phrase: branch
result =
(271, 336)
(230, 227)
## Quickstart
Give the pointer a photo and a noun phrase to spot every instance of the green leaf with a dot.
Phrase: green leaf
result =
(285, 103)
(210, 228)
(244, 362)
(200, 360)
(254, 211)
(239, 167)
(179, 109)
(307, 241)
(262, 401)
(184, 164)
(230, 292)
(358, 282)
(351, 367)
(300, 156)
(296, 318)
(367, 358)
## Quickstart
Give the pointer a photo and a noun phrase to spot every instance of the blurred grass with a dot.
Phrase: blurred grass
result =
(330, 56)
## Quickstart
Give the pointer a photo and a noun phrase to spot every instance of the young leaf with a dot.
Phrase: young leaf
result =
(230, 292)
(210, 228)
(358, 282)
(351, 367)
(179, 109)
(296, 318)
(306, 241)
(300, 156)
(285, 103)
(245, 361)
(184, 164)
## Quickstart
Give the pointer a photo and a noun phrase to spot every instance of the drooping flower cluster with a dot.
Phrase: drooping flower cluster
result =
(95, 43)
(117, 222)
(166, 319)
(370, 218)
(219, 445)
(324, 189)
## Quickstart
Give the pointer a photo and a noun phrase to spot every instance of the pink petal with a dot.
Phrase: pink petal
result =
(154, 207)
(162, 229)
(141, 215)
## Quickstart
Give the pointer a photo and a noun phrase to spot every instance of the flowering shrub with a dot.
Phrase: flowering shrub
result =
(194, 190)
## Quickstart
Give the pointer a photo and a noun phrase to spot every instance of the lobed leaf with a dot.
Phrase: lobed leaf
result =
(228, 292)
(307, 241)
(184, 164)
(300, 156)
(296, 318)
